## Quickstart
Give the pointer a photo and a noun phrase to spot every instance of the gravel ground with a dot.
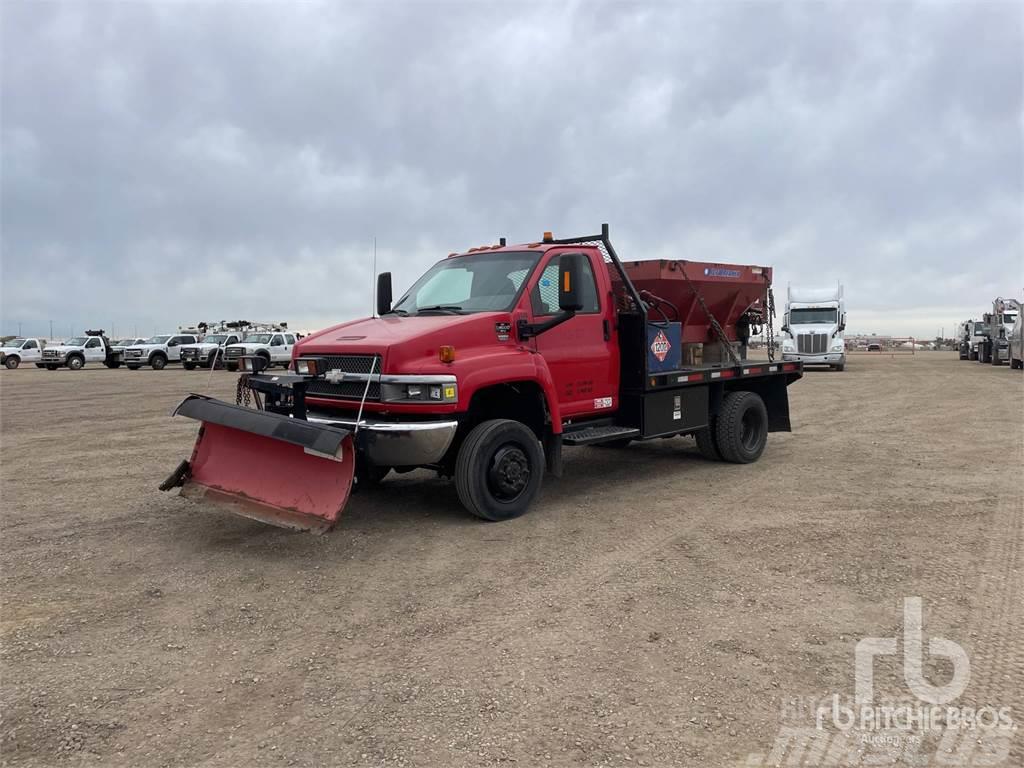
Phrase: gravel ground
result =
(653, 609)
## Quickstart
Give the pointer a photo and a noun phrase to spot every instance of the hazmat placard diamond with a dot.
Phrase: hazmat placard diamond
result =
(660, 346)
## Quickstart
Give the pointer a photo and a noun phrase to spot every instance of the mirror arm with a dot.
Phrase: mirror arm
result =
(527, 330)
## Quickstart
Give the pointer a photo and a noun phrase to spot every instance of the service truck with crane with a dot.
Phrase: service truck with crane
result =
(994, 346)
(491, 363)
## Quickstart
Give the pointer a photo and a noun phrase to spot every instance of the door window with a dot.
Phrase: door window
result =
(544, 297)
(30, 345)
(276, 341)
(289, 339)
(92, 343)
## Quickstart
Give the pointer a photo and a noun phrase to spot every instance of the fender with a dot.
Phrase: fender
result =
(518, 365)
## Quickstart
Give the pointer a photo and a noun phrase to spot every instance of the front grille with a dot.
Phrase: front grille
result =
(347, 390)
(234, 352)
(189, 353)
(133, 353)
(51, 353)
(812, 343)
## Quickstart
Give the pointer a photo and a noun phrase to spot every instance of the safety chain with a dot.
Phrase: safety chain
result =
(714, 323)
(245, 395)
(771, 327)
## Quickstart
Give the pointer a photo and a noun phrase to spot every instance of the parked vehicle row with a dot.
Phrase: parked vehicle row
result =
(193, 348)
(996, 338)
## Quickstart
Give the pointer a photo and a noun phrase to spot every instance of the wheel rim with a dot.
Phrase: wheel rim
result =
(509, 473)
(751, 434)
(75, 364)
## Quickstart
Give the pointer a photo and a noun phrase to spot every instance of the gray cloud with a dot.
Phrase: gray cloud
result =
(171, 162)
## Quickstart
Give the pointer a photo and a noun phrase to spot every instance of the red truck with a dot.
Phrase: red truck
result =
(493, 361)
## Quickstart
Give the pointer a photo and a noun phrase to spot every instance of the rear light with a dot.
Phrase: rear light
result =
(446, 354)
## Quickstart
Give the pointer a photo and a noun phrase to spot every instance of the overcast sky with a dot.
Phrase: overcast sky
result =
(181, 161)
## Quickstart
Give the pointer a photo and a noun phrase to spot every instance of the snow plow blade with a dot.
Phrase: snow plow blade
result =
(273, 468)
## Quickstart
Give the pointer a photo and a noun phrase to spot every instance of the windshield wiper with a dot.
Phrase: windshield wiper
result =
(451, 308)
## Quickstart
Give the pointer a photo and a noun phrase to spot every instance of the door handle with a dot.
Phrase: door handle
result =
(607, 329)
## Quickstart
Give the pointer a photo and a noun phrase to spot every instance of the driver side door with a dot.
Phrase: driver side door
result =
(580, 353)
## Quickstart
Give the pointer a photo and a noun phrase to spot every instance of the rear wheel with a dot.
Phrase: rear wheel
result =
(499, 469)
(12, 362)
(75, 363)
(707, 443)
(742, 428)
(159, 362)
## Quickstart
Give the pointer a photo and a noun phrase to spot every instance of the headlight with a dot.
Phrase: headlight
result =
(837, 347)
(416, 392)
(310, 366)
(788, 346)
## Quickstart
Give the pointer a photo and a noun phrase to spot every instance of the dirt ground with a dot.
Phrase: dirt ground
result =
(653, 609)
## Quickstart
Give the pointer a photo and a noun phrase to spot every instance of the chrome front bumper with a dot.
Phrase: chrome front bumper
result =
(832, 358)
(396, 444)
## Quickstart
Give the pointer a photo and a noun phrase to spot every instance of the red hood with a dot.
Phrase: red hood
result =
(406, 341)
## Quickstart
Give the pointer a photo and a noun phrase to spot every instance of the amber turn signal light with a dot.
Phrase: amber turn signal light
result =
(447, 354)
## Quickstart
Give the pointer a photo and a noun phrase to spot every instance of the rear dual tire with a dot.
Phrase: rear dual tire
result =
(499, 469)
(738, 433)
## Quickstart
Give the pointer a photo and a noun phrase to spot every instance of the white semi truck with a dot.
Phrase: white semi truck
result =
(813, 326)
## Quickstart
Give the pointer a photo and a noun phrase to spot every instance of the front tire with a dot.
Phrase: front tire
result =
(159, 362)
(11, 363)
(189, 366)
(742, 428)
(499, 470)
(76, 363)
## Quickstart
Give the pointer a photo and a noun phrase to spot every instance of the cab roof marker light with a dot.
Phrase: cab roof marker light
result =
(548, 237)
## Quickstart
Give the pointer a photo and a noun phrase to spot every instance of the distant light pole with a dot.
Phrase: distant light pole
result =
(51, 330)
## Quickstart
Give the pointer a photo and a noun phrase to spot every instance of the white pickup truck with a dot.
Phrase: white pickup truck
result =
(275, 346)
(17, 351)
(158, 351)
(209, 351)
(74, 353)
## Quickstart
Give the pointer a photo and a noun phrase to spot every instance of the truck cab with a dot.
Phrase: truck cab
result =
(158, 351)
(208, 352)
(273, 346)
(813, 327)
(14, 352)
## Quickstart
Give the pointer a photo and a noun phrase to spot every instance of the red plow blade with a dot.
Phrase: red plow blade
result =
(282, 471)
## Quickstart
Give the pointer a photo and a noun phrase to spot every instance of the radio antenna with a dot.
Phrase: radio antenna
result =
(373, 291)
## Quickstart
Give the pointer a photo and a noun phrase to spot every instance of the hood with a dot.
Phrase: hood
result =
(146, 346)
(796, 330)
(61, 348)
(400, 339)
(250, 344)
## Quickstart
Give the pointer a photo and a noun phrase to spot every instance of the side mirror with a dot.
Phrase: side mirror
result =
(570, 272)
(383, 293)
(842, 322)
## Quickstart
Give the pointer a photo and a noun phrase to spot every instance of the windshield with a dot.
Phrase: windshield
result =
(156, 340)
(215, 338)
(979, 329)
(1009, 319)
(14, 343)
(258, 338)
(78, 341)
(805, 316)
(478, 283)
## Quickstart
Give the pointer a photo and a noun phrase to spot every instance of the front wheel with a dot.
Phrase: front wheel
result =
(159, 362)
(11, 363)
(742, 428)
(189, 366)
(499, 469)
(76, 363)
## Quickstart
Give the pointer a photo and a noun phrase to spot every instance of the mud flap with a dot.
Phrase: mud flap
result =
(273, 468)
